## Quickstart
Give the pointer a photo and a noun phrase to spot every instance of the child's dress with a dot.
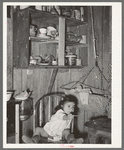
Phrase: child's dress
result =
(56, 125)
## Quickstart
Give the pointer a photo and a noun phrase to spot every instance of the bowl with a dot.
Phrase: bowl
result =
(9, 95)
(24, 117)
(42, 30)
(71, 37)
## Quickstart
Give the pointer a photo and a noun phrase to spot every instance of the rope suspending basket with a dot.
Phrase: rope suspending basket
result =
(92, 95)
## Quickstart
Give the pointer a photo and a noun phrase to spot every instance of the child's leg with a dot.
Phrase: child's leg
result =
(36, 136)
(39, 132)
(65, 134)
(70, 137)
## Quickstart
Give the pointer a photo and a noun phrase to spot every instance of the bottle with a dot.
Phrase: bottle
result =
(82, 13)
(44, 8)
(48, 8)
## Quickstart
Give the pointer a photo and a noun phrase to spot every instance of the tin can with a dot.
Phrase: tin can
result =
(71, 60)
(83, 40)
(76, 14)
(78, 62)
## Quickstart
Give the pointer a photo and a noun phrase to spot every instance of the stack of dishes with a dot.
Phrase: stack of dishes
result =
(42, 33)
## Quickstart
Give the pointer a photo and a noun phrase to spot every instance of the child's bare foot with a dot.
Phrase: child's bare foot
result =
(78, 141)
(27, 139)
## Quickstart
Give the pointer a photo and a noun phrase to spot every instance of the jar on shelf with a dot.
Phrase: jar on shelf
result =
(70, 59)
(82, 13)
(76, 14)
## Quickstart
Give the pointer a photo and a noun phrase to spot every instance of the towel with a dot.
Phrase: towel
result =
(84, 97)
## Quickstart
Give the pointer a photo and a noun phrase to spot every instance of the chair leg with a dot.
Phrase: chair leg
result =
(27, 139)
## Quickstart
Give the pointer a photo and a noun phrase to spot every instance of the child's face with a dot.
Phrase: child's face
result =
(68, 107)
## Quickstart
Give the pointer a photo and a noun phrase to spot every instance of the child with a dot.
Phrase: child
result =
(58, 128)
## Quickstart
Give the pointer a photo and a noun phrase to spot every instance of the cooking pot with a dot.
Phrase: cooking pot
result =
(26, 109)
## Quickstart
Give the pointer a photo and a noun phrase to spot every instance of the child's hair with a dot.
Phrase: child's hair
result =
(67, 98)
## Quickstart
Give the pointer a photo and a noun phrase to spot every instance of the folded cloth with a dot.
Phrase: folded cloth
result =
(23, 95)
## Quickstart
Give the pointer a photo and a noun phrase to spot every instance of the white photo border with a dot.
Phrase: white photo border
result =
(116, 75)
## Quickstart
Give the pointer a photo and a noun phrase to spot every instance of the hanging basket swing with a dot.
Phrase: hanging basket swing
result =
(80, 85)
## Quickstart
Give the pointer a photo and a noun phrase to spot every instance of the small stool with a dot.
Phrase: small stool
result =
(98, 133)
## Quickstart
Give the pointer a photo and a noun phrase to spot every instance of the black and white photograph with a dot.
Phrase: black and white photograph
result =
(62, 75)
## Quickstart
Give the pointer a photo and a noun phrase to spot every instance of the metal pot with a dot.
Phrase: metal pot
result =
(26, 109)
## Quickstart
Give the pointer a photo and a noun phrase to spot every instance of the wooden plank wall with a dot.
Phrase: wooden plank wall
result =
(107, 47)
(37, 80)
(9, 55)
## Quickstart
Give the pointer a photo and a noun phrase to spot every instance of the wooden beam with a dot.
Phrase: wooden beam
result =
(52, 80)
(61, 48)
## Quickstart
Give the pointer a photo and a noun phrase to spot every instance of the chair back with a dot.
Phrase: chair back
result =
(45, 108)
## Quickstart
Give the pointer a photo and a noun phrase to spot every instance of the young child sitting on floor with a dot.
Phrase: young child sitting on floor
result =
(58, 128)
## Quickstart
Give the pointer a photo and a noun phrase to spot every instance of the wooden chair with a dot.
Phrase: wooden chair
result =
(45, 108)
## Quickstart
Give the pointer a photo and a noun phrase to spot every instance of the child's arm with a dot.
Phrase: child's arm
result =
(68, 117)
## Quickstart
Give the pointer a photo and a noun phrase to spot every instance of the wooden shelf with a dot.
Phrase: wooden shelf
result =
(21, 46)
(43, 40)
(52, 67)
(75, 44)
(53, 18)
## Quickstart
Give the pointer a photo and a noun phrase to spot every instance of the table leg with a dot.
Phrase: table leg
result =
(17, 120)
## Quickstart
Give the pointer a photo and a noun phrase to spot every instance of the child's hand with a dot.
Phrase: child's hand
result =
(70, 116)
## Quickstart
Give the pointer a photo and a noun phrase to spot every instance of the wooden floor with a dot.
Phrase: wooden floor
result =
(11, 138)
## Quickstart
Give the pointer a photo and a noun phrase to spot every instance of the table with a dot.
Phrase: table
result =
(17, 118)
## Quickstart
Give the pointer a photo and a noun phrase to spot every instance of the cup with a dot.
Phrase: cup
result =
(42, 30)
(54, 62)
(33, 61)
